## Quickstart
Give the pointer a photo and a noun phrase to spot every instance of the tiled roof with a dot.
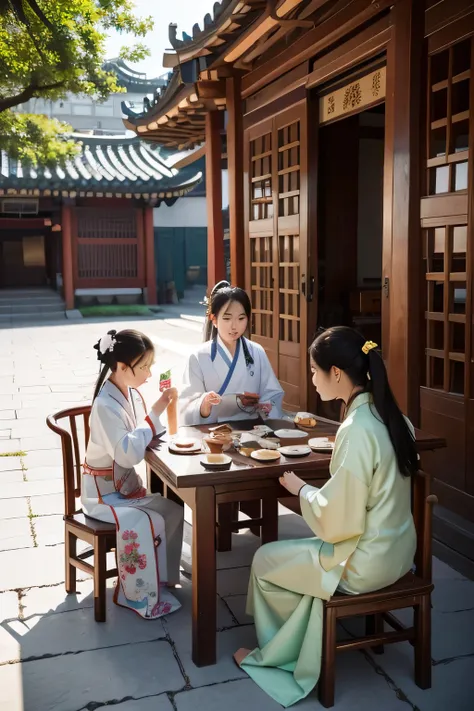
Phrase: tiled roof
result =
(132, 80)
(110, 166)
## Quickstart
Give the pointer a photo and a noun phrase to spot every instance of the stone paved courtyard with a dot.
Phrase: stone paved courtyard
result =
(52, 653)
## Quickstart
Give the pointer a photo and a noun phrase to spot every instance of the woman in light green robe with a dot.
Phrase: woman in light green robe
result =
(365, 535)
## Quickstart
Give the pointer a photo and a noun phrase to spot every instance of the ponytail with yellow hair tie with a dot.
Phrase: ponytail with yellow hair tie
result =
(368, 346)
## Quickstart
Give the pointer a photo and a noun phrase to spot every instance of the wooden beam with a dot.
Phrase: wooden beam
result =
(215, 228)
(68, 273)
(236, 181)
(403, 126)
(353, 14)
(149, 239)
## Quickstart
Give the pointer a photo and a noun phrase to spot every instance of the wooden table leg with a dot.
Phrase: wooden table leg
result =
(269, 530)
(225, 513)
(204, 577)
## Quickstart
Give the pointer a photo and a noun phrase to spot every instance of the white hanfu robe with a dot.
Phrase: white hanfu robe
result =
(212, 367)
(149, 527)
(366, 540)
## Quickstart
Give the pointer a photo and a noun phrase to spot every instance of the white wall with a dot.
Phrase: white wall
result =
(186, 212)
(370, 209)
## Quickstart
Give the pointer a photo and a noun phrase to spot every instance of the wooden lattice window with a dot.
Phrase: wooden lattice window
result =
(289, 281)
(445, 254)
(261, 198)
(289, 170)
(445, 222)
(448, 129)
(108, 247)
(262, 285)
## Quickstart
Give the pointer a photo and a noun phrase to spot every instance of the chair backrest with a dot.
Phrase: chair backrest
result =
(73, 452)
(422, 501)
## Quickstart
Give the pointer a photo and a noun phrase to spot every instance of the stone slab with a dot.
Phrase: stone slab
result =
(7, 446)
(452, 683)
(9, 463)
(14, 476)
(237, 604)
(42, 473)
(13, 508)
(48, 458)
(49, 530)
(48, 504)
(9, 606)
(105, 675)
(15, 533)
(31, 488)
(38, 443)
(7, 414)
(153, 703)
(11, 688)
(54, 599)
(233, 581)
(31, 567)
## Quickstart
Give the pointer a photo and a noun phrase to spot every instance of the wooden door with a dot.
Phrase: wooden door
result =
(447, 397)
(277, 246)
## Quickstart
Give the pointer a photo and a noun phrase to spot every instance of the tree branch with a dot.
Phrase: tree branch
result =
(28, 93)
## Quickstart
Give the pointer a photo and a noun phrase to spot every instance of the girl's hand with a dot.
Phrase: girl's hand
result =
(265, 408)
(210, 400)
(292, 483)
(168, 395)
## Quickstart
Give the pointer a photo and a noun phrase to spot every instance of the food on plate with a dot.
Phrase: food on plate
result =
(305, 419)
(216, 459)
(184, 443)
(265, 455)
(224, 429)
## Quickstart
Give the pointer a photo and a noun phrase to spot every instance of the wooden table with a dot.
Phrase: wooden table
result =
(185, 480)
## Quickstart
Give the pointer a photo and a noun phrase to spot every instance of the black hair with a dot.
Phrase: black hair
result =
(221, 295)
(341, 347)
(127, 347)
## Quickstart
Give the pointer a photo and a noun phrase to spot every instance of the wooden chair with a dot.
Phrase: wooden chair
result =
(413, 590)
(101, 536)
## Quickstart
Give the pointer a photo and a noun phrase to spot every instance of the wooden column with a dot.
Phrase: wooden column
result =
(215, 228)
(403, 117)
(235, 154)
(149, 238)
(68, 272)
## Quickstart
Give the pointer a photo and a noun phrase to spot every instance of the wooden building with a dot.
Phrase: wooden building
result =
(350, 129)
(88, 228)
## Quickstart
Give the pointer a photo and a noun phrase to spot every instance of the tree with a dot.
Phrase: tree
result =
(48, 49)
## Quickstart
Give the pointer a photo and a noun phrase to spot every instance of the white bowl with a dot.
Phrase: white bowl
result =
(296, 450)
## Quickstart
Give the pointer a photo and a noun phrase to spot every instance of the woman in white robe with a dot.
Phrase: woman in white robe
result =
(365, 537)
(229, 377)
(149, 527)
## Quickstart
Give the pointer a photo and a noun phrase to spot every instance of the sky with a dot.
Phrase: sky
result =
(184, 13)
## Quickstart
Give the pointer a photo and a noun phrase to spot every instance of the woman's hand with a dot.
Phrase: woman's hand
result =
(210, 400)
(292, 483)
(167, 396)
(265, 408)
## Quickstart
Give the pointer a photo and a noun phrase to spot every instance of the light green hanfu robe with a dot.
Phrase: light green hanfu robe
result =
(365, 541)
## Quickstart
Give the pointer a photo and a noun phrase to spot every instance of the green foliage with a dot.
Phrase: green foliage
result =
(51, 48)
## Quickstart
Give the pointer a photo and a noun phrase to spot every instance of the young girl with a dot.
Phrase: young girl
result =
(229, 377)
(149, 528)
(362, 518)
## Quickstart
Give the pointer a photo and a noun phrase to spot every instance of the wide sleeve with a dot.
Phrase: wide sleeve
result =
(126, 447)
(337, 511)
(270, 389)
(192, 393)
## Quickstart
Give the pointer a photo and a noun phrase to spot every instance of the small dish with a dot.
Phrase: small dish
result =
(269, 443)
(192, 449)
(296, 450)
(321, 444)
(216, 461)
(265, 455)
(290, 438)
